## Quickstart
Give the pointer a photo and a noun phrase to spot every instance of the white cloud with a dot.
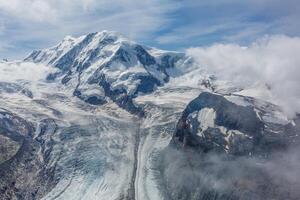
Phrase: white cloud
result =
(13, 72)
(35, 10)
(76, 15)
(271, 60)
(204, 22)
(40, 23)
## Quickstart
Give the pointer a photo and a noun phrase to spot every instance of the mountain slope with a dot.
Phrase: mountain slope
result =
(232, 147)
(107, 65)
(107, 118)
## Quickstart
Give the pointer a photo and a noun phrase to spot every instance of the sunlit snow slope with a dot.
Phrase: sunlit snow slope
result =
(102, 117)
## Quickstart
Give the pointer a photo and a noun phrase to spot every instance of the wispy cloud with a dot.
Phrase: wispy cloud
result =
(175, 24)
(20, 72)
(206, 22)
(271, 60)
(29, 24)
(33, 10)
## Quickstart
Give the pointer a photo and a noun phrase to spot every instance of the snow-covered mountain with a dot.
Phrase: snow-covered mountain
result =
(106, 118)
(106, 65)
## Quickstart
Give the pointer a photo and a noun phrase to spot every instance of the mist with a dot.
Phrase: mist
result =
(271, 60)
(23, 71)
(191, 175)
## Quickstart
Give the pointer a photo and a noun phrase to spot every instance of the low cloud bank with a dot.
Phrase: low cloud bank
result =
(274, 61)
(23, 71)
(189, 174)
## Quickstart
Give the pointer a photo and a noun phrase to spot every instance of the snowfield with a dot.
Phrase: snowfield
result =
(100, 117)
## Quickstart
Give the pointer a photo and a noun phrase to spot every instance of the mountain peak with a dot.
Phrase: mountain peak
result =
(95, 40)
(107, 65)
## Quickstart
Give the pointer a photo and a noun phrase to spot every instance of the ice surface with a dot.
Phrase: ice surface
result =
(104, 152)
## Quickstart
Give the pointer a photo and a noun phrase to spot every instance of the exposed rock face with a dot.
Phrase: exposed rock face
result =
(105, 65)
(113, 121)
(211, 122)
(24, 173)
(8, 148)
(222, 150)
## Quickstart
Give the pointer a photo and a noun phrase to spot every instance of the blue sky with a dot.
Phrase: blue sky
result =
(26, 25)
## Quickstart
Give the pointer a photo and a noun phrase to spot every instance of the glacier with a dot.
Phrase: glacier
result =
(103, 117)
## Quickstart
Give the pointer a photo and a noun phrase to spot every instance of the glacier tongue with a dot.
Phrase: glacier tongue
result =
(89, 154)
(92, 152)
(107, 118)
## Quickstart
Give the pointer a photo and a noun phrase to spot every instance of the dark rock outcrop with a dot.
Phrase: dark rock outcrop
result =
(253, 135)
(217, 164)
(25, 175)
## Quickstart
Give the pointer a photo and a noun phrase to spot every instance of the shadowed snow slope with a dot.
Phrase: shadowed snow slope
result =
(105, 64)
(100, 117)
